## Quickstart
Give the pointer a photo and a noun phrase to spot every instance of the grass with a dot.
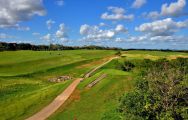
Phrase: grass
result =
(94, 102)
(26, 62)
(24, 86)
(138, 54)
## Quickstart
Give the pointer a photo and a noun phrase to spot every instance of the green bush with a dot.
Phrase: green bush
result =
(161, 94)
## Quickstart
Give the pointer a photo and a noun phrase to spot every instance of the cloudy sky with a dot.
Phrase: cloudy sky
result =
(118, 23)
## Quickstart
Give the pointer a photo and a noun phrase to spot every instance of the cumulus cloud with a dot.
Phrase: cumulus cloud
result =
(46, 37)
(175, 9)
(59, 36)
(14, 11)
(163, 27)
(95, 33)
(138, 3)
(49, 24)
(62, 32)
(116, 13)
(120, 28)
(85, 29)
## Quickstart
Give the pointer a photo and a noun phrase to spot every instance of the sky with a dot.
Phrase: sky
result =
(147, 24)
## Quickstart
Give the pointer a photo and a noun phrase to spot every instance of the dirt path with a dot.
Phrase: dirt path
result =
(89, 73)
(60, 99)
(56, 103)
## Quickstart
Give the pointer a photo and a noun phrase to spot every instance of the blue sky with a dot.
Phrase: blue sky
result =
(116, 23)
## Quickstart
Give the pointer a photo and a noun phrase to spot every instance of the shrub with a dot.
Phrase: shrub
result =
(161, 94)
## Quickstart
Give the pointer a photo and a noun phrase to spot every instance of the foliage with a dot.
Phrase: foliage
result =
(161, 93)
(26, 46)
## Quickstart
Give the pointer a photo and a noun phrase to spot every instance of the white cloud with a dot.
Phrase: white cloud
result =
(119, 40)
(152, 15)
(175, 9)
(120, 28)
(102, 24)
(95, 33)
(17, 27)
(60, 2)
(163, 27)
(116, 13)
(62, 32)
(23, 28)
(46, 37)
(84, 29)
(58, 37)
(49, 24)
(138, 3)
(5, 36)
(148, 39)
(14, 11)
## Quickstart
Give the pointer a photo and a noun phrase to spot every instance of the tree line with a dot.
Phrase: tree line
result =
(26, 46)
(4, 46)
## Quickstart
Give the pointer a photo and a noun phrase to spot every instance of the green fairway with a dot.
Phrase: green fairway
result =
(24, 86)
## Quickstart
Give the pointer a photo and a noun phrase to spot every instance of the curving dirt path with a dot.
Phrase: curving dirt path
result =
(56, 103)
(60, 99)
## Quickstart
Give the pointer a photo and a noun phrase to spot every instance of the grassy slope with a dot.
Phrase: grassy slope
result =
(23, 95)
(24, 62)
(92, 103)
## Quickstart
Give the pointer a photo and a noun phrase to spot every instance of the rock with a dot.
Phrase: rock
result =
(60, 79)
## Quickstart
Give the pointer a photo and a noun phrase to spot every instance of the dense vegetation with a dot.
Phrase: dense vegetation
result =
(27, 46)
(161, 92)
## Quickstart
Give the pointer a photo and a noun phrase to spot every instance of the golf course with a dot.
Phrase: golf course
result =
(25, 86)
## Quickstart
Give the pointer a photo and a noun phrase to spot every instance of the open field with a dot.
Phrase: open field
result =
(154, 55)
(25, 89)
(93, 103)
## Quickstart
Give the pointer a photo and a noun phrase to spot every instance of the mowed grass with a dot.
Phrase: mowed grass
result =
(92, 103)
(23, 93)
(26, 62)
